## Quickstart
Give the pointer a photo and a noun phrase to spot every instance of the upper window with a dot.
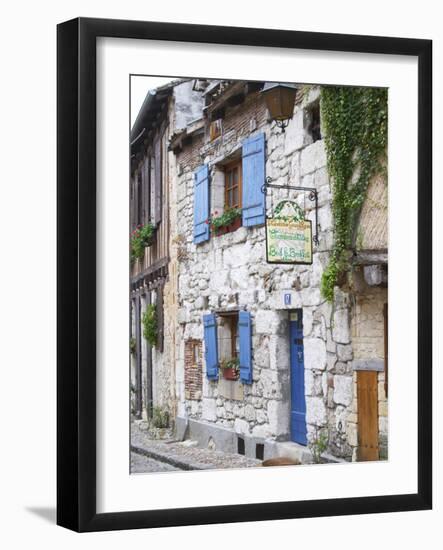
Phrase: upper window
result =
(314, 122)
(233, 185)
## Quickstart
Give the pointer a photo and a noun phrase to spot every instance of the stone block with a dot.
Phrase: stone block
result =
(294, 134)
(315, 411)
(307, 322)
(240, 235)
(261, 416)
(383, 424)
(261, 431)
(313, 157)
(241, 426)
(340, 327)
(278, 417)
(266, 322)
(230, 389)
(279, 352)
(313, 383)
(209, 411)
(250, 413)
(315, 353)
(344, 352)
(352, 434)
(310, 296)
(239, 278)
(325, 218)
(383, 408)
(331, 346)
(343, 389)
(269, 385)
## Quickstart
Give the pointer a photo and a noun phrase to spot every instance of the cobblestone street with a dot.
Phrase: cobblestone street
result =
(149, 455)
(142, 464)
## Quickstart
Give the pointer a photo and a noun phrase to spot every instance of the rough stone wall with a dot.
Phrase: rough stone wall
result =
(230, 271)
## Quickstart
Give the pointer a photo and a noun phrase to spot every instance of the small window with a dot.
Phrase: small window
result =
(314, 122)
(260, 451)
(228, 341)
(233, 185)
(215, 129)
(240, 446)
(195, 353)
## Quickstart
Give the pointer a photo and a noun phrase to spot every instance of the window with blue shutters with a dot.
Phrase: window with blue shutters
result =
(253, 169)
(211, 347)
(245, 355)
(228, 336)
(201, 204)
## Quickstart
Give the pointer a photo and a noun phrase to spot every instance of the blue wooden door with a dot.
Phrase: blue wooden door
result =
(298, 402)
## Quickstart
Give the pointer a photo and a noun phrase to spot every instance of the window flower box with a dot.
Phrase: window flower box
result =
(229, 221)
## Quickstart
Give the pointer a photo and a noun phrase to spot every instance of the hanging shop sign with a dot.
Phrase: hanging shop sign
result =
(288, 235)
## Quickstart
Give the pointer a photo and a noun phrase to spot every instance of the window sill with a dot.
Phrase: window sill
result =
(236, 224)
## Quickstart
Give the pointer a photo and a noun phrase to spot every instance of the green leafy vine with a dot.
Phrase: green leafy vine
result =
(149, 322)
(354, 124)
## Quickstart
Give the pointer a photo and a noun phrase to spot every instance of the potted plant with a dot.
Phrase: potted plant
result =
(230, 220)
(141, 237)
(230, 368)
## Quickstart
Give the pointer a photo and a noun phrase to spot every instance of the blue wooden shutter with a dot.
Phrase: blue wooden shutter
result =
(253, 179)
(201, 204)
(211, 349)
(245, 337)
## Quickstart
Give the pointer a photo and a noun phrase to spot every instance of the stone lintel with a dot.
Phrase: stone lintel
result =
(377, 365)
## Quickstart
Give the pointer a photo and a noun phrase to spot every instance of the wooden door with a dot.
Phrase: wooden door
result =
(298, 401)
(367, 401)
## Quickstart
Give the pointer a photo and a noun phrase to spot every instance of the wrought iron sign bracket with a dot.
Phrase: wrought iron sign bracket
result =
(313, 197)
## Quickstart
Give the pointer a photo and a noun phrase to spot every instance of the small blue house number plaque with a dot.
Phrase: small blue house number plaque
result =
(287, 299)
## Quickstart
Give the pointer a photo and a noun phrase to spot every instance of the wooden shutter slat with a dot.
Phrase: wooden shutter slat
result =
(245, 338)
(211, 345)
(253, 179)
(201, 204)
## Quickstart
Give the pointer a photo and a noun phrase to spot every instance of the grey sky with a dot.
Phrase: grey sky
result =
(140, 85)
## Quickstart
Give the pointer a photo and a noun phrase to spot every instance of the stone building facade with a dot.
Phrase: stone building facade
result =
(153, 276)
(309, 371)
(230, 299)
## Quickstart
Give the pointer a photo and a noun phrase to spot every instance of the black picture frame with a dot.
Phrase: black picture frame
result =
(76, 264)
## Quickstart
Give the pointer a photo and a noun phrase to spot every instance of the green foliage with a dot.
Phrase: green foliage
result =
(225, 219)
(318, 446)
(140, 238)
(149, 322)
(160, 417)
(233, 363)
(355, 123)
(132, 345)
